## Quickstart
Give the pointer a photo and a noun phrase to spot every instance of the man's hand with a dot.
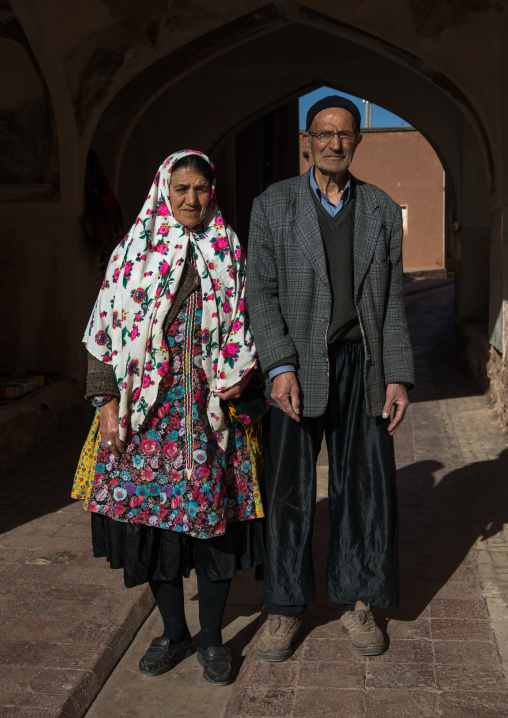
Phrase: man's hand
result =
(286, 394)
(396, 395)
(108, 415)
(235, 391)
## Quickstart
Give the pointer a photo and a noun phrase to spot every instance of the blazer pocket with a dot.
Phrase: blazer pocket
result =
(379, 266)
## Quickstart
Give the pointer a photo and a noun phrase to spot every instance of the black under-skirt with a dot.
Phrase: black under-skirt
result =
(146, 553)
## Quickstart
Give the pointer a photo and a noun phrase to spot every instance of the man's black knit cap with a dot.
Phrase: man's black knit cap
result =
(334, 101)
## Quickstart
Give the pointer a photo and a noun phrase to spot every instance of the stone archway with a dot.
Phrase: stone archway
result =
(215, 88)
(183, 96)
(134, 81)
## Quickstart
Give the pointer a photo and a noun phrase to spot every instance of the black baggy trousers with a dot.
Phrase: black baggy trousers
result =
(362, 559)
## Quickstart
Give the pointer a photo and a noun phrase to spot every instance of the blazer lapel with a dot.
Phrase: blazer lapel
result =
(306, 228)
(368, 226)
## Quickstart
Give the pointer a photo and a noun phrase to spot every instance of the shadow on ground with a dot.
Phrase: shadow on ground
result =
(42, 483)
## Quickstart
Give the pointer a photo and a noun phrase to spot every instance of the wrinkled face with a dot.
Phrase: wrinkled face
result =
(189, 195)
(334, 155)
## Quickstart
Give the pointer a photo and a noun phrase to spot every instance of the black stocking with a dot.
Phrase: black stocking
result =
(169, 598)
(212, 597)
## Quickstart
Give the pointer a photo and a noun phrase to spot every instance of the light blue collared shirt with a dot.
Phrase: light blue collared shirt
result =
(333, 210)
(329, 206)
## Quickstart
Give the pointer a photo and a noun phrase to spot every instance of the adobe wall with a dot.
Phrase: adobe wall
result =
(403, 164)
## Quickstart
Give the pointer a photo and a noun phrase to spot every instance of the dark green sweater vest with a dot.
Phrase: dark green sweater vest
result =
(338, 240)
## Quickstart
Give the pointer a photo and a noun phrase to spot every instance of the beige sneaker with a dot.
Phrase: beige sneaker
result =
(280, 632)
(359, 625)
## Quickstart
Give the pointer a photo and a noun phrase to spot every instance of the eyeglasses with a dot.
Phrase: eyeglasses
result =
(326, 136)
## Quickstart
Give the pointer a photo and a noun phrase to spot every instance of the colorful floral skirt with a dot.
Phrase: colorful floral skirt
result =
(173, 474)
(173, 477)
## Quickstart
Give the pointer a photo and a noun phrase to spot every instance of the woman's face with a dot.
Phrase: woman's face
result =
(189, 195)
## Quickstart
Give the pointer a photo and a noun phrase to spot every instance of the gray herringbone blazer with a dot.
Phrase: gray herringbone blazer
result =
(289, 297)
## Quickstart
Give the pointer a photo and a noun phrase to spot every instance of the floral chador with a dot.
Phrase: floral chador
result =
(126, 328)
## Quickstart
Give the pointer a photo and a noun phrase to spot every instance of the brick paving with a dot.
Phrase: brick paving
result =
(67, 620)
(448, 639)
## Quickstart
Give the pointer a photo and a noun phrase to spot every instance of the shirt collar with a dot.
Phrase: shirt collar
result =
(345, 192)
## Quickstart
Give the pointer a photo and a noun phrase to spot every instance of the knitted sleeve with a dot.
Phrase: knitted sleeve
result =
(100, 378)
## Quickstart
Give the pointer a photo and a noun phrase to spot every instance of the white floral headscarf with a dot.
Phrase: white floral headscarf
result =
(142, 278)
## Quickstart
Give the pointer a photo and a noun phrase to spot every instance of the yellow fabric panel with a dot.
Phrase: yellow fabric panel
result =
(253, 433)
(85, 473)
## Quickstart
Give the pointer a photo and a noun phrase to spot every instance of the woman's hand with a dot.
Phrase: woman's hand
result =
(236, 390)
(108, 415)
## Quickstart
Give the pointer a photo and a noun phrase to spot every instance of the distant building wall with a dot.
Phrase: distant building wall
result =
(403, 164)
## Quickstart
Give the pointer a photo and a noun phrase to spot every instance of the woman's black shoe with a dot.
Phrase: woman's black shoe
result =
(217, 665)
(162, 655)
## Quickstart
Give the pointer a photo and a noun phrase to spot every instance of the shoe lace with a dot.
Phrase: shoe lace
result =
(275, 623)
(363, 617)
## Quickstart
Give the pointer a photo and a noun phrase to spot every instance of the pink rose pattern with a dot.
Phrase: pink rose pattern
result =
(149, 485)
(126, 326)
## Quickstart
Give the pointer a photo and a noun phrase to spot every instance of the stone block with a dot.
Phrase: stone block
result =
(263, 704)
(469, 677)
(481, 653)
(322, 674)
(406, 652)
(400, 704)
(460, 629)
(458, 608)
(399, 676)
(329, 703)
(473, 705)
(273, 676)
(417, 629)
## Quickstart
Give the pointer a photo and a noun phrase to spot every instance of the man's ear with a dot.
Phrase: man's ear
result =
(307, 137)
(359, 138)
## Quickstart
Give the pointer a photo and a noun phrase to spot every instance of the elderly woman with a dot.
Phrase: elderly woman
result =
(174, 485)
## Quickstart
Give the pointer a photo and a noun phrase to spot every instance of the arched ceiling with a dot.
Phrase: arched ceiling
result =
(111, 59)
(205, 102)
(103, 44)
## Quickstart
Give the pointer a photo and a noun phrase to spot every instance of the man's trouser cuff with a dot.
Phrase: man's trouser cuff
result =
(273, 609)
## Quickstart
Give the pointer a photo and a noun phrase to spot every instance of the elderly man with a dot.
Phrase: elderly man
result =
(325, 298)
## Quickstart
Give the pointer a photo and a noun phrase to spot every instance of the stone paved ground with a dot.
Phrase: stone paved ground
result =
(449, 637)
(67, 620)
(182, 692)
